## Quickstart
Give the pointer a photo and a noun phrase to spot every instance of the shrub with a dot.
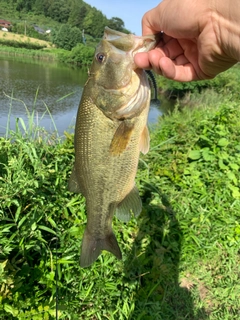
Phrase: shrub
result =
(66, 37)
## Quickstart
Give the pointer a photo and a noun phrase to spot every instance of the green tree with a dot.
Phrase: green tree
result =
(38, 7)
(24, 5)
(66, 37)
(94, 23)
(77, 14)
(116, 24)
(59, 10)
(76, 36)
(81, 54)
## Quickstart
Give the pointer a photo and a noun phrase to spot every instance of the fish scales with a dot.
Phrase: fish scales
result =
(110, 132)
(100, 171)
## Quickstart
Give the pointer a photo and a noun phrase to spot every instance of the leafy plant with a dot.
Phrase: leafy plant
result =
(180, 257)
(81, 55)
(66, 37)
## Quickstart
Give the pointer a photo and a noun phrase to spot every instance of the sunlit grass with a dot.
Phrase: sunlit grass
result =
(180, 258)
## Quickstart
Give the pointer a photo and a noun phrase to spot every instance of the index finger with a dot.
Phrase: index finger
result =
(150, 22)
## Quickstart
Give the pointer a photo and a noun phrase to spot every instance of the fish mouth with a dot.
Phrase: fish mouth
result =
(130, 42)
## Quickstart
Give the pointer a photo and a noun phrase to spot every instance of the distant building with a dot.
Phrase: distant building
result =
(5, 24)
(38, 29)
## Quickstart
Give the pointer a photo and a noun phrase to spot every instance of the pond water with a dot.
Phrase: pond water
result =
(39, 86)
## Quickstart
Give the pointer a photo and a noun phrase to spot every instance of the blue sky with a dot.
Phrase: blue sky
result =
(129, 11)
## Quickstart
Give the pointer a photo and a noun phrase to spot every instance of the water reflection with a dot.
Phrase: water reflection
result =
(35, 84)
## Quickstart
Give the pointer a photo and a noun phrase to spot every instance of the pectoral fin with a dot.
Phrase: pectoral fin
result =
(73, 185)
(132, 203)
(121, 138)
(145, 141)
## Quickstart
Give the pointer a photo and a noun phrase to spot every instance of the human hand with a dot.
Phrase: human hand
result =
(200, 39)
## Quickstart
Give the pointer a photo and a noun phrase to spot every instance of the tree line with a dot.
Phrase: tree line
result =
(74, 13)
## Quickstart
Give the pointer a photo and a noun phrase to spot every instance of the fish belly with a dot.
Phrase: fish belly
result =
(103, 178)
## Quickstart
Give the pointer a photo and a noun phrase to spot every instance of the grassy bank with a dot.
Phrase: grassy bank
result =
(20, 45)
(20, 38)
(79, 56)
(180, 258)
(22, 52)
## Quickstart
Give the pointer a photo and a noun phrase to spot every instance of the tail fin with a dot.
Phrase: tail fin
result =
(92, 247)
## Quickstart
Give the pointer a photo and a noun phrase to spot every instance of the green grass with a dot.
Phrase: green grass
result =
(21, 44)
(79, 56)
(48, 54)
(181, 258)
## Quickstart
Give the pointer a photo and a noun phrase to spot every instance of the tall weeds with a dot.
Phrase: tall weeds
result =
(180, 258)
(30, 213)
(29, 129)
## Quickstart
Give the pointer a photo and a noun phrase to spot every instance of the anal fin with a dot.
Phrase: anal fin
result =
(132, 203)
(73, 185)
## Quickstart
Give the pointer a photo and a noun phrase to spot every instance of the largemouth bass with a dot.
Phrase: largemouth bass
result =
(111, 130)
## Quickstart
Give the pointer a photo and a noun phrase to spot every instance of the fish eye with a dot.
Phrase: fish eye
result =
(100, 57)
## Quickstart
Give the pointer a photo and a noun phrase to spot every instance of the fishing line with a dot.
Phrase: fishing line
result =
(56, 271)
(56, 276)
(154, 84)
